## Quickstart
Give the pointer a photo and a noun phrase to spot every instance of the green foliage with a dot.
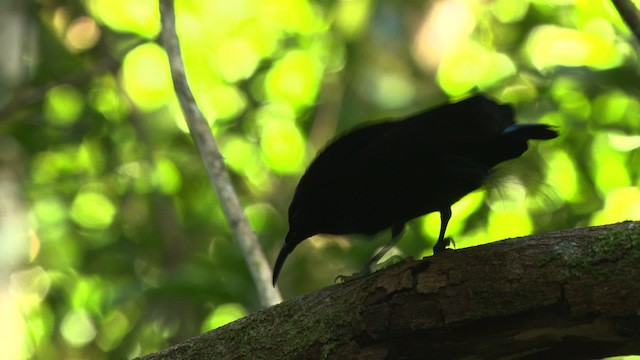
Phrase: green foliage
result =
(120, 248)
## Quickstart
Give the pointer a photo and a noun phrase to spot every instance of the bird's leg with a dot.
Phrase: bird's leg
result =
(396, 230)
(441, 245)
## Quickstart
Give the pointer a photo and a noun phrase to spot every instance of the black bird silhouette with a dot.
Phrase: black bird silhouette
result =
(383, 175)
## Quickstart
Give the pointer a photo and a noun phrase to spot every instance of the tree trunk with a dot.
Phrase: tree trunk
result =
(572, 294)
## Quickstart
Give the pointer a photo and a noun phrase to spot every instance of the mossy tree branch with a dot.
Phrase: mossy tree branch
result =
(572, 294)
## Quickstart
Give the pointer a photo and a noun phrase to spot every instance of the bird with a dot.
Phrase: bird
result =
(383, 175)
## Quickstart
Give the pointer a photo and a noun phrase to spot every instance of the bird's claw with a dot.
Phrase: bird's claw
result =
(345, 278)
(371, 268)
(441, 246)
(394, 259)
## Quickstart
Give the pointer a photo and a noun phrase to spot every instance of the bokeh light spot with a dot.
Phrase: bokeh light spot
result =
(63, 105)
(564, 182)
(282, 146)
(166, 176)
(549, 46)
(146, 76)
(620, 205)
(470, 65)
(294, 79)
(92, 210)
(112, 330)
(508, 224)
(30, 286)
(609, 165)
(236, 59)
(223, 315)
(83, 33)
(141, 17)
(77, 328)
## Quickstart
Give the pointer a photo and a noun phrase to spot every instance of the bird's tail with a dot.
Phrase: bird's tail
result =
(286, 249)
(531, 131)
(513, 141)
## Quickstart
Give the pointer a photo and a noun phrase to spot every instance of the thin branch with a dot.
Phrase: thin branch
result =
(214, 163)
(630, 14)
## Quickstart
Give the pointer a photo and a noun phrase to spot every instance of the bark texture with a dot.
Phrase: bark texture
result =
(572, 294)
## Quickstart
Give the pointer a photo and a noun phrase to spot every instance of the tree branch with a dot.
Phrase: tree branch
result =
(630, 14)
(214, 163)
(573, 294)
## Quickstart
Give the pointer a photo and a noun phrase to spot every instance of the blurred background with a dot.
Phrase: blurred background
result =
(113, 243)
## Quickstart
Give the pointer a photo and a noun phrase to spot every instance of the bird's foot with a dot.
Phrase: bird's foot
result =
(441, 246)
(354, 276)
(390, 261)
(370, 268)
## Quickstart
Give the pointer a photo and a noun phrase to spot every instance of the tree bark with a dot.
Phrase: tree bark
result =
(572, 294)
